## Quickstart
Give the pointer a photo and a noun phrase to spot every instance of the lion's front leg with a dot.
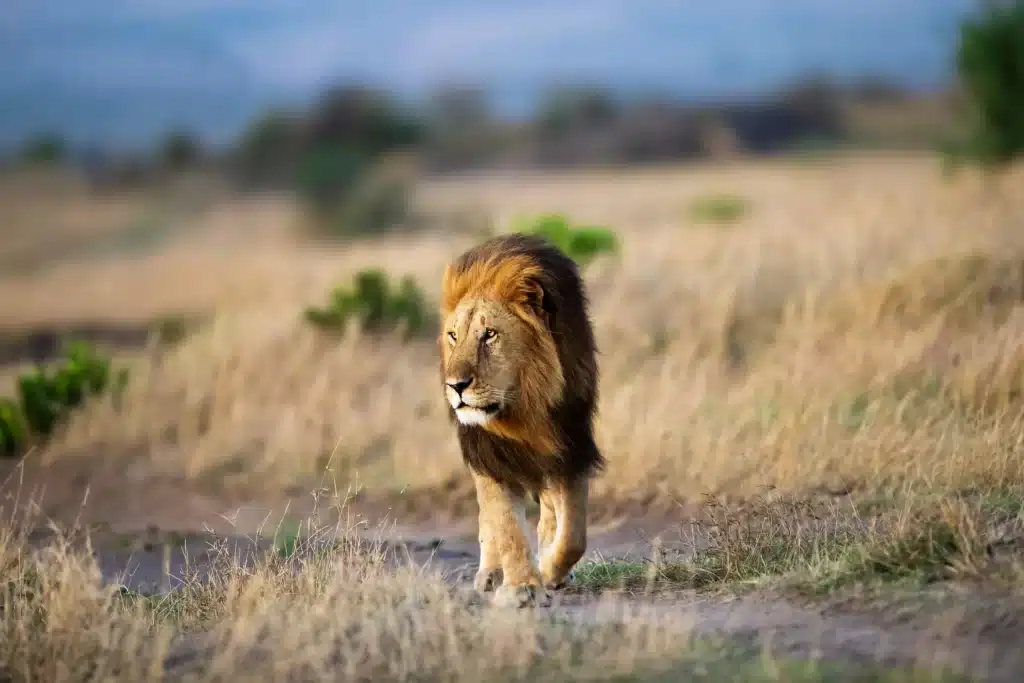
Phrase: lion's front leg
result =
(489, 575)
(503, 537)
(569, 501)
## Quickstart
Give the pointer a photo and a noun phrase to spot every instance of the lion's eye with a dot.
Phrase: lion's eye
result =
(489, 334)
(451, 335)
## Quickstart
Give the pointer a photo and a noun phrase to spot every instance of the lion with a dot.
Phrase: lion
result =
(519, 369)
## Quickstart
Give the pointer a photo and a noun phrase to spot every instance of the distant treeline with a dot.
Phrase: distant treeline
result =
(456, 129)
(344, 154)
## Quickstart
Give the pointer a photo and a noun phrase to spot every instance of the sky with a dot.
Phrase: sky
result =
(102, 68)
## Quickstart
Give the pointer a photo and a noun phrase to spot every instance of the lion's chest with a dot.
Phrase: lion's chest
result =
(508, 462)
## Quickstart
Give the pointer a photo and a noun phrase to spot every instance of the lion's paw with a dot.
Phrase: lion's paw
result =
(522, 595)
(555, 585)
(487, 580)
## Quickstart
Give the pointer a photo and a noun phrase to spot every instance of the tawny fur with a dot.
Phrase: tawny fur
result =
(519, 359)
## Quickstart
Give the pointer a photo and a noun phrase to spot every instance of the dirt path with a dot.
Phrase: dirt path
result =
(153, 536)
(152, 562)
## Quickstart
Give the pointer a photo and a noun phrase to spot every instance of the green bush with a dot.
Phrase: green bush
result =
(172, 328)
(581, 243)
(334, 157)
(990, 66)
(325, 176)
(45, 148)
(373, 202)
(719, 208)
(45, 398)
(267, 153)
(13, 430)
(181, 149)
(376, 305)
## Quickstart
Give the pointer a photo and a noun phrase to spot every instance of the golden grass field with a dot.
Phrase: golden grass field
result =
(865, 290)
(859, 333)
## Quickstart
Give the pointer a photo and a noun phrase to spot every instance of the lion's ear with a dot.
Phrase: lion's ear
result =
(533, 294)
(541, 301)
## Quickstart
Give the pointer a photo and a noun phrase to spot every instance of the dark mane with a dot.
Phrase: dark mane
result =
(494, 266)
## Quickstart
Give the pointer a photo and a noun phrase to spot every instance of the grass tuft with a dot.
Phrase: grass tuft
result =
(719, 209)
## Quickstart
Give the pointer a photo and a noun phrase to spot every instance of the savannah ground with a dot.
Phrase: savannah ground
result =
(811, 411)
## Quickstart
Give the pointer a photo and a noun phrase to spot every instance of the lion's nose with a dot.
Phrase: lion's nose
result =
(459, 385)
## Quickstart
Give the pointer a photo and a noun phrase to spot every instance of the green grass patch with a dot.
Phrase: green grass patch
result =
(819, 547)
(938, 538)
(719, 209)
(175, 328)
(632, 575)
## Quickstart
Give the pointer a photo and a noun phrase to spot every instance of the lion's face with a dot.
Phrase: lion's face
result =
(485, 346)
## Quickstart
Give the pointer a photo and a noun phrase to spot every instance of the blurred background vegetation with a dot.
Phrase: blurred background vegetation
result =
(351, 152)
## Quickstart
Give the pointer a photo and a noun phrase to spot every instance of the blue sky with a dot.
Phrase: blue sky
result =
(83, 64)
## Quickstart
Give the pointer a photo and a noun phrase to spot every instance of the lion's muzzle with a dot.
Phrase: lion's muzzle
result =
(469, 408)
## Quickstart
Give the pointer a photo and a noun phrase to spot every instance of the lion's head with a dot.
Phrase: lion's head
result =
(500, 365)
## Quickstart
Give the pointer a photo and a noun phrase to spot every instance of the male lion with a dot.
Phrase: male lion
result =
(520, 375)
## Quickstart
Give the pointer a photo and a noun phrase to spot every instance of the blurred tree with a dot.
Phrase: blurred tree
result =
(267, 153)
(181, 149)
(328, 155)
(460, 129)
(326, 173)
(817, 104)
(347, 132)
(453, 107)
(877, 89)
(990, 67)
(45, 148)
(566, 107)
(366, 121)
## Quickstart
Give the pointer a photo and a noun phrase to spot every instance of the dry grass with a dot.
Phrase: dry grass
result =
(819, 547)
(51, 216)
(860, 329)
(340, 612)
(340, 608)
(47, 211)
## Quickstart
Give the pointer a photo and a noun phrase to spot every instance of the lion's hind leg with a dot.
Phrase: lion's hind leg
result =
(547, 522)
(569, 501)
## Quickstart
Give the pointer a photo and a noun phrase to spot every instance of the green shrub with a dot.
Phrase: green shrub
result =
(267, 153)
(45, 398)
(379, 201)
(376, 305)
(990, 66)
(334, 156)
(719, 208)
(13, 430)
(45, 148)
(351, 196)
(173, 328)
(325, 175)
(181, 149)
(582, 243)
